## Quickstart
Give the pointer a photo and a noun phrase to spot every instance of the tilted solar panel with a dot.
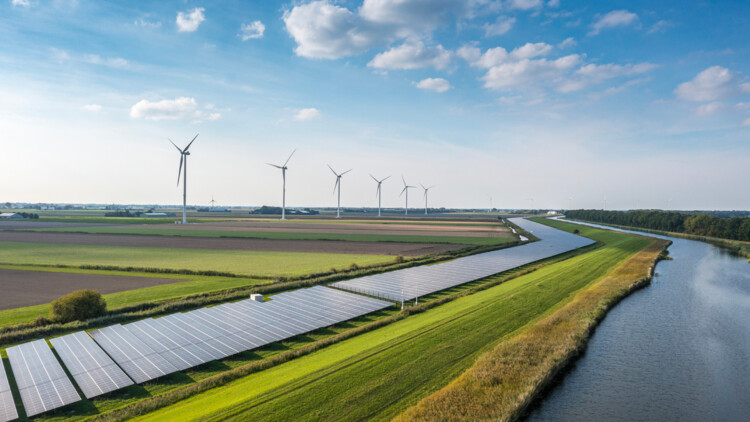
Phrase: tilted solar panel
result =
(93, 370)
(41, 380)
(7, 405)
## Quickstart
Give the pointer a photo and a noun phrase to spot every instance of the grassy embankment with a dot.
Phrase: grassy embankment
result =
(505, 380)
(245, 263)
(354, 237)
(742, 248)
(409, 359)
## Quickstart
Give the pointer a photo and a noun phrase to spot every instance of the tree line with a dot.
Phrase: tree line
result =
(735, 228)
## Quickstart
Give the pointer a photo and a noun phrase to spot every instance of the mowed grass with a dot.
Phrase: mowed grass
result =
(153, 231)
(192, 285)
(250, 263)
(379, 374)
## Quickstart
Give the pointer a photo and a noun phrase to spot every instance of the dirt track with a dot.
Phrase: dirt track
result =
(26, 288)
(319, 246)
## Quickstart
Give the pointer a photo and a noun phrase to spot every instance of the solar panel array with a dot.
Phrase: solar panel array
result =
(41, 380)
(7, 405)
(94, 371)
(418, 281)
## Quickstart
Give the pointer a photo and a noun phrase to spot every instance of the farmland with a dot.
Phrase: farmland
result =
(410, 358)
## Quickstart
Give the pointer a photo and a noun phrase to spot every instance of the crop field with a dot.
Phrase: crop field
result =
(230, 243)
(249, 263)
(409, 359)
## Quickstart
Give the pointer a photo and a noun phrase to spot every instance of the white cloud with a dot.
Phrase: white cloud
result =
(412, 55)
(470, 53)
(567, 42)
(191, 20)
(709, 109)
(92, 107)
(143, 23)
(553, 3)
(307, 114)
(328, 31)
(529, 73)
(659, 26)
(607, 71)
(105, 61)
(214, 116)
(523, 4)
(613, 19)
(746, 122)
(252, 30)
(179, 108)
(531, 50)
(24, 3)
(434, 84)
(502, 25)
(712, 84)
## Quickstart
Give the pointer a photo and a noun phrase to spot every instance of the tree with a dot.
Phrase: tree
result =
(79, 306)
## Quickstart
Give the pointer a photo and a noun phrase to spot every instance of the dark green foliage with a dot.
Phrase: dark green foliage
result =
(735, 228)
(79, 306)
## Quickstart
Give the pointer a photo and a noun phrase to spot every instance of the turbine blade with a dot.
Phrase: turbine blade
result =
(385, 179)
(423, 186)
(403, 180)
(175, 145)
(191, 142)
(335, 185)
(334, 171)
(373, 178)
(403, 190)
(346, 172)
(274, 165)
(290, 157)
(179, 170)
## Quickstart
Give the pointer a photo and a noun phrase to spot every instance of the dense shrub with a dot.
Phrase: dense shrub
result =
(79, 306)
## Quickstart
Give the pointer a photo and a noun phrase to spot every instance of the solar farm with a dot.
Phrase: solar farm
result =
(110, 358)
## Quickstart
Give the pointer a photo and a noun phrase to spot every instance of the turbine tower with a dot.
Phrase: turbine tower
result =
(183, 171)
(425, 196)
(283, 185)
(213, 203)
(377, 191)
(406, 189)
(338, 185)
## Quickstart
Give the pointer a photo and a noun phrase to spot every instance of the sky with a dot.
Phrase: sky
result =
(532, 103)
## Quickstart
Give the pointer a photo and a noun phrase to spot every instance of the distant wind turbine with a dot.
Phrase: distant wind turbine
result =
(338, 185)
(492, 207)
(213, 203)
(283, 186)
(183, 171)
(406, 189)
(605, 203)
(425, 196)
(378, 191)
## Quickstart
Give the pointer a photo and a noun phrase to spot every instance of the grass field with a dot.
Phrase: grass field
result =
(460, 240)
(249, 263)
(407, 360)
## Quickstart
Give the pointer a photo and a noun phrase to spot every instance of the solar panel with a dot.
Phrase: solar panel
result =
(412, 282)
(180, 357)
(138, 360)
(94, 371)
(7, 405)
(41, 380)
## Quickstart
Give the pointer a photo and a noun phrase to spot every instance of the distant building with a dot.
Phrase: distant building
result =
(158, 214)
(11, 216)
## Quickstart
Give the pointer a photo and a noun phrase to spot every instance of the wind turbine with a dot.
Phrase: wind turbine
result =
(492, 207)
(377, 192)
(183, 169)
(605, 203)
(406, 189)
(425, 196)
(338, 185)
(283, 186)
(213, 203)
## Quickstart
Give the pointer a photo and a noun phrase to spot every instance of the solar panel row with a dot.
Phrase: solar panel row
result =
(94, 371)
(418, 281)
(151, 348)
(41, 380)
(7, 405)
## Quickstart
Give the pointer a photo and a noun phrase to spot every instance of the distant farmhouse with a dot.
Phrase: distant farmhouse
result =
(11, 216)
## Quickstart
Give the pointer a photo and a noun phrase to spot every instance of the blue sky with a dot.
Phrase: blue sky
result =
(644, 103)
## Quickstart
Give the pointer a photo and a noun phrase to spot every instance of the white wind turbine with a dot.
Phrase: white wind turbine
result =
(212, 202)
(425, 196)
(406, 189)
(183, 171)
(378, 191)
(338, 185)
(283, 186)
